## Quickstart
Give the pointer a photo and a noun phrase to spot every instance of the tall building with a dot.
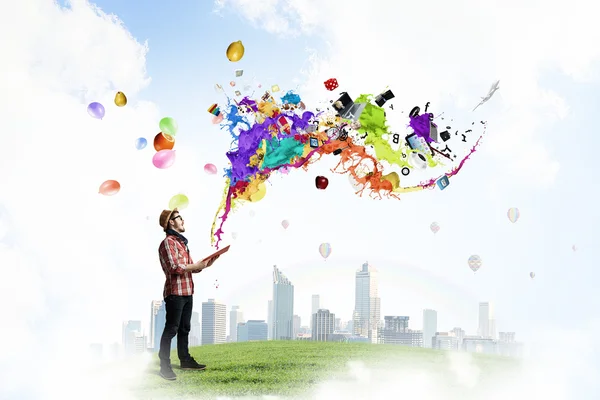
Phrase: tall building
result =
(429, 327)
(395, 331)
(315, 305)
(154, 307)
(214, 315)
(459, 334)
(235, 317)
(283, 306)
(366, 303)
(323, 325)
(297, 325)
(159, 326)
(270, 319)
(130, 332)
(445, 341)
(253, 330)
(487, 321)
(195, 332)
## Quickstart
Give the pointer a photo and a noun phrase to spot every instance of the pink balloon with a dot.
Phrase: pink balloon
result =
(210, 169)
(163, 159)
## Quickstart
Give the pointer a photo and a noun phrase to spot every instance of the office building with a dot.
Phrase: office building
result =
(366, 314)
(297, 325)
(315, 305)
(395, 331)
(429, 327)
(131, 330)
(154, 307)
(478, 344)
(214, 325)
(270, 319)
(159, 326)
(506, 337)
(507, 346)
(487, 321)
(283, 306)
(235, 317)
(252, 331)
(445, 341)
(459, 334)
(338, 324)
(195, 332)
(323, 325)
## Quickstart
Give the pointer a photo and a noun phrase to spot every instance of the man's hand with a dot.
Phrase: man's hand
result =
(207, 263)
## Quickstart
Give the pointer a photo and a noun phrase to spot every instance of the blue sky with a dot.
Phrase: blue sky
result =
(92, 260)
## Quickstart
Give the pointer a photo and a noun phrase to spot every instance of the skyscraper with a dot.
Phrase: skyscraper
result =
(159, 326)
(366, 302)
(283, 306)
(131, 331)
(323, 325)
(487, 322)
(316, 304)
(235, 317)
(195, 332)
(252, 331)
(214, 325)
(297, 325)
(429, 327)
(270, 320)
(154, 307)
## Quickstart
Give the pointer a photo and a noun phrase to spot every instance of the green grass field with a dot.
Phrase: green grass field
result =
(285, 367)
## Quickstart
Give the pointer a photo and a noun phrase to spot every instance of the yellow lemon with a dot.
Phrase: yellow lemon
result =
(235, 51)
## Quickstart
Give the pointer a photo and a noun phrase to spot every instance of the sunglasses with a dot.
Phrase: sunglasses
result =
(174, 218)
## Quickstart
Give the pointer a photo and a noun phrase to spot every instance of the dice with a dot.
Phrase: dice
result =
(331, 84)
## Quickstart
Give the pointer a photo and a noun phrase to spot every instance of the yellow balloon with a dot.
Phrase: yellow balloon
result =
(393, 178)
(259, 194)
(120, 99)
(179, 201)
(235, 51)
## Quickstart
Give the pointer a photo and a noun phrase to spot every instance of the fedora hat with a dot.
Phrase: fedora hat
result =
(165, 217)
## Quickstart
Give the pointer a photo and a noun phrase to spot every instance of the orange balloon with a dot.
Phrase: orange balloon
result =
(163, 141)
(109, 188)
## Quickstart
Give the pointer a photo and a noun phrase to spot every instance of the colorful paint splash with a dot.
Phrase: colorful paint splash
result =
(270, 135)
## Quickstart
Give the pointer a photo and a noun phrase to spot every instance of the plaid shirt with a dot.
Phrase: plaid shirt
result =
(174, 256)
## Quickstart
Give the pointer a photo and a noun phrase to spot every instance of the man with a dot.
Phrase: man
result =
(178, 293)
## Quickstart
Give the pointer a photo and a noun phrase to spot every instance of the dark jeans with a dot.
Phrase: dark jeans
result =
(179, 322)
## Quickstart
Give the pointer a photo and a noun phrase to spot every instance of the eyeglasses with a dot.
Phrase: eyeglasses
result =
(174, 218)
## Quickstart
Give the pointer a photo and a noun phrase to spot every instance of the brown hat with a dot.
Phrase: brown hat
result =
(165, 216)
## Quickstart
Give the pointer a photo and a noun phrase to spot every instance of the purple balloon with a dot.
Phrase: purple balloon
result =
(96, 110)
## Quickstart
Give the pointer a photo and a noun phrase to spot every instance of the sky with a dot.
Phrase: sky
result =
(76, 264)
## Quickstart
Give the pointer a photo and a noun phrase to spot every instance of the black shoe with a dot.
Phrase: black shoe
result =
(191, 364)
(166, 371)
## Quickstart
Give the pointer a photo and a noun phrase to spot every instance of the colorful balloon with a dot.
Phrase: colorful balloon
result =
(235, 51)
(179, 201)
(96, 110)
(109, 188)
(120, 99)
(210, 169)
(513, 214)
(532, 275)
(325, 250)
(163, 141)
(474, 262)
(285, 223)
(163, 159)
(141, 143)
(434, 227)
(168, 125)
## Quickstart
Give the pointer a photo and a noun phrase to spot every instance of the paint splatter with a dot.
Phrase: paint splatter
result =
(270, 136)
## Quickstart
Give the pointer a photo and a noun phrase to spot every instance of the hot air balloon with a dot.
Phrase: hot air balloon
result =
(474, 262)
(325, 250)
(513, 214)
(532, 275)
(574, 248)
(285, 223)
(434, 227)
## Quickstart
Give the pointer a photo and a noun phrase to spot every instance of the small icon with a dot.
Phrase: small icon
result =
(314, 142)
(443, 182)
(405, 171)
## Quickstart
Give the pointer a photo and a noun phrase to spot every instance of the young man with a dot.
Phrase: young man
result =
(178, 267)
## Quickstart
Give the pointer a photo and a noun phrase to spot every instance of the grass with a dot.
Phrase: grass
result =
(284, 368)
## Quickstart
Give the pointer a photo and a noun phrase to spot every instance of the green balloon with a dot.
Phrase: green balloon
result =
(168, 125)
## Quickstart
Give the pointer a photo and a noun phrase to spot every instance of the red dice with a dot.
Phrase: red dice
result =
(331, 84)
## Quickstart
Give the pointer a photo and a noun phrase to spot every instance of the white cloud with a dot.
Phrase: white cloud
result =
(453, 51)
